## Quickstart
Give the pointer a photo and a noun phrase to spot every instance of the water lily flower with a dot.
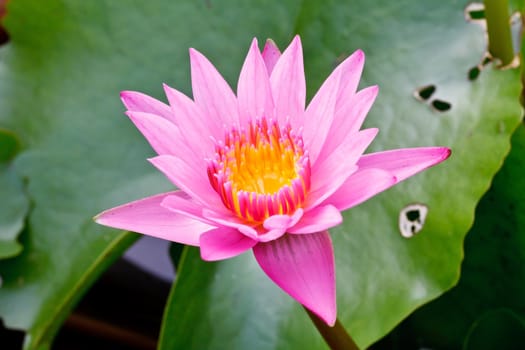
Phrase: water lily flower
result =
(259, 171)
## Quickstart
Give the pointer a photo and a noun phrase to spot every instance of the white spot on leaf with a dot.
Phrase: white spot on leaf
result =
(412, 219)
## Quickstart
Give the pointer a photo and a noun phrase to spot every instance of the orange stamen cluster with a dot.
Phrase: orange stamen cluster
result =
(261, 171)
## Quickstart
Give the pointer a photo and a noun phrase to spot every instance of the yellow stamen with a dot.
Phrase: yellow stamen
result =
(261, 172)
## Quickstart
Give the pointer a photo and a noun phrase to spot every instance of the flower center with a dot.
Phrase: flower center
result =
(261, 171)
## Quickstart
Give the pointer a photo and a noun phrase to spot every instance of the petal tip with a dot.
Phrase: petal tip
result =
(169, 92)
(153, 160)
(372, 131)
(329, 316)
(271, 44)
(101, 218)
(441, 154)
(447, 152)
(296, 43)
(271, 48)
(270, 54)
(126, 96)
(104, 219)
(360, 54)
(331, 320)
(97, 218)
(195, 55)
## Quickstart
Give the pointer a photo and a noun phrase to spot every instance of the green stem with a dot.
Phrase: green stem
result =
(498, 30)
(336, 337)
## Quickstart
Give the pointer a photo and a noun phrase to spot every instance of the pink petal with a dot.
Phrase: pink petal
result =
(147, 216)
(211, 92)
(289, 86)
(271, 235)
(319, 115)
(277, 225)
(303, 266)
(164, 137)
(330, 173)
(189, 179)
(354, 110)
(253, 91)
(229, 220)
(405, 162)
(270, 55)
(350, 150)
(139, 102)
(351, 69)
(325, 187)
(195, 125)
(277, 221)
(318, 219)
(223, 243)
(283, 221)
(359, 187)
(186, 207)
(322, 111)
(348, 118)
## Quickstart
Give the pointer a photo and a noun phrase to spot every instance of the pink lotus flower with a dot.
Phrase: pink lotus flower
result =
(259, 171)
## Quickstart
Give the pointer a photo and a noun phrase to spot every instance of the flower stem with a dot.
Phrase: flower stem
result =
(498, 30)
(336, 337)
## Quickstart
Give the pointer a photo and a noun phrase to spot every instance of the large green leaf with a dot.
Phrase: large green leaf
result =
(59, 82)
(13, 201)
(381, 277)
(493, 272)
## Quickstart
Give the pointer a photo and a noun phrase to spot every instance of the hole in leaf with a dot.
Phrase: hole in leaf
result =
(473, 73)
(486, 60)
(3, 34)
(516, 29)
(412, 215)
(4, 38)
(441, 105)
(425, 92)
(412, 219)
(475, 12)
